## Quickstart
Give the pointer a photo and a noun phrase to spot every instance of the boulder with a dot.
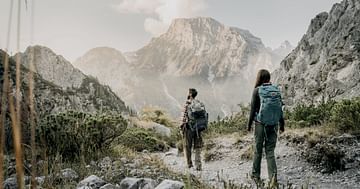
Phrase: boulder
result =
(68, 174)
(170, 184)
(11, 183)
(138, 183)
(109, 186)
(91, 182)
(157, 128)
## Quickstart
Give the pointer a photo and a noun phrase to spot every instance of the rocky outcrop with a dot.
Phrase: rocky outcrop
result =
(326, 63)
(52, 67)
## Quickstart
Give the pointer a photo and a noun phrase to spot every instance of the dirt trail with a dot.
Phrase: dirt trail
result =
(227, 165)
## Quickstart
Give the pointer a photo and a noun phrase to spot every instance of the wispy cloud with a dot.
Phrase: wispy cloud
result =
(162, 12)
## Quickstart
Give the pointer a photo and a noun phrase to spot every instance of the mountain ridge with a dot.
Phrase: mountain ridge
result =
(326, 63)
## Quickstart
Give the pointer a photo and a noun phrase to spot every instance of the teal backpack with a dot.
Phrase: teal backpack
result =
(270, 105)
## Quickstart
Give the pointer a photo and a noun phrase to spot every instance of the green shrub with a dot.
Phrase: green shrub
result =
(346, 115)
(140, 139)
(156, 115)
(309, 115)
(228, 125)
(72, 134)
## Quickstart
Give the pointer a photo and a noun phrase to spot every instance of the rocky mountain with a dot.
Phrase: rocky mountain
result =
(284, 49)
(105, 60)
(326, 63)
(50, 95)
(220, 61)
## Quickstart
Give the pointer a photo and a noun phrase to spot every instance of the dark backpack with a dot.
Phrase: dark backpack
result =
(270, 105)
(198, 117)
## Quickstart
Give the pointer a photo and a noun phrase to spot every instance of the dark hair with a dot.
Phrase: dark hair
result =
(193, 92)
(263, 76)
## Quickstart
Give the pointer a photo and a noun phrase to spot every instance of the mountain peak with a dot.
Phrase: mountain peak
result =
(286, 45)
(195, 25)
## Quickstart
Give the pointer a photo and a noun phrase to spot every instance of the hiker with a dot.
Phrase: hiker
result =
(266, 112)
(194, 121)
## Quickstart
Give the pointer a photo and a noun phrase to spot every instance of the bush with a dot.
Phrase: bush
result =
(345, 115)
(156, 115)
(228, 125)
(309, 115)
(140, 139)
(72, 134)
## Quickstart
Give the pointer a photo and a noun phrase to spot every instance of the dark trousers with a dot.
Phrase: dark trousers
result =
(265, 137)
(192, 140)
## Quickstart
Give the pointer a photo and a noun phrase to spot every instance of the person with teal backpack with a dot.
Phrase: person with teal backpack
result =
(266, 112)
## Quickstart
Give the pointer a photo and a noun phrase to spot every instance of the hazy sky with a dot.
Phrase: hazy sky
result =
(71, 27)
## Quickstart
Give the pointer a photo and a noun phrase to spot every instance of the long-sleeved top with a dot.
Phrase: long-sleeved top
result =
(255, 107)
(185, 117)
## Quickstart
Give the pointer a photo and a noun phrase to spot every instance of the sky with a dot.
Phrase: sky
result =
(72, 27)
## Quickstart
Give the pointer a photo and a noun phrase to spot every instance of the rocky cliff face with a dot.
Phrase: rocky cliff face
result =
(326, 63)
(53, 67)
(220, 61)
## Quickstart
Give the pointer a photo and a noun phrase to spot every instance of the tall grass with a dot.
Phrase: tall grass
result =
(4, 97)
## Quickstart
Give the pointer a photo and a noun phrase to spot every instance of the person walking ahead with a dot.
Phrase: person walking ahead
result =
(266, 112)
(194, 121)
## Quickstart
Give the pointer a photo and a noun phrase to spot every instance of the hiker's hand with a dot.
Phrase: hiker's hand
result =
(282, 129)
(182, 126)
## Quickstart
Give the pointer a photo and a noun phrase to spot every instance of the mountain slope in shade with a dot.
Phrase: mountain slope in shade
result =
(62, 87)
(53, 67)
(49, 98)
(326, 63)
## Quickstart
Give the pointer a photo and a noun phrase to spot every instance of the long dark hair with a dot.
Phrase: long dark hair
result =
(263, 76)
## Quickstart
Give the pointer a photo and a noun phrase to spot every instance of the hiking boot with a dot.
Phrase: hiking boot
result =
(190, 165)
(198, 168)
(273, 183)
(256, 179)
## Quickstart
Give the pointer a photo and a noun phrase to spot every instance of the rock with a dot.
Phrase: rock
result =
(109, 186)
(124, 160)
(10, 183)
(40, 180)
(170, 184)
(105, 163)
(137, 183)
(92, 182)
(69, 174)
(157, 128)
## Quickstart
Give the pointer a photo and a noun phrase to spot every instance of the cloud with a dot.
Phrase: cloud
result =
(161, 12)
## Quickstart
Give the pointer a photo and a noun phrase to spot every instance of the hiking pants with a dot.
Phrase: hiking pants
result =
(192, 140)
(265, 137)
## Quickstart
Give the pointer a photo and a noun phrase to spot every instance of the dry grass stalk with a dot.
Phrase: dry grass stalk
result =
(15, 114)
(4, 97)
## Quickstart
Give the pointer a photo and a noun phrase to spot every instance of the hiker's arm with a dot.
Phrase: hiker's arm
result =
(282, 122)
(253, 106)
